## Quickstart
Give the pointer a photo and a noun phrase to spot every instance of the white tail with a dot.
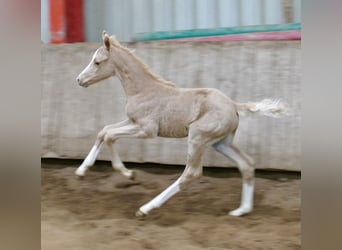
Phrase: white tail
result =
(268, 107)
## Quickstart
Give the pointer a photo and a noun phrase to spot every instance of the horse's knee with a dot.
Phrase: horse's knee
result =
(101, 134)
(104, 136)
(108, 139)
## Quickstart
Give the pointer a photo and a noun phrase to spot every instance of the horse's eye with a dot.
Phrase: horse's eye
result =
(97, 63)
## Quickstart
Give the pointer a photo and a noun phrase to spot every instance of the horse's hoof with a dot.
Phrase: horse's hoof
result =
(240, 211)
(132, 176)
(80, 172)
(80, 177)
(140, 214)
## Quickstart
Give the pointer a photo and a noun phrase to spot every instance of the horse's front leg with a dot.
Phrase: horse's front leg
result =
(95, 150)
(117, 164)
(130, 130)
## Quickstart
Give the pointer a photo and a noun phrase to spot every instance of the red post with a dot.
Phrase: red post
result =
(66, 21)
(74, 15)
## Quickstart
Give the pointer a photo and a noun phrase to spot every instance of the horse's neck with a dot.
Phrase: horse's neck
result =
(134, 76)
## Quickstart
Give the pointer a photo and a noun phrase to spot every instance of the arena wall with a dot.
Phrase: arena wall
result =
(71, 116)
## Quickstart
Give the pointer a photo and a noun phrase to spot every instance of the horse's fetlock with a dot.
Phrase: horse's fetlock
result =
(248, 176)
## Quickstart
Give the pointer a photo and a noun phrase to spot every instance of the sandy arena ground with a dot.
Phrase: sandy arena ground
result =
(98, 212)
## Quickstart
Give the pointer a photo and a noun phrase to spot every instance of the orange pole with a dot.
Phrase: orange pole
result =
(57, 21)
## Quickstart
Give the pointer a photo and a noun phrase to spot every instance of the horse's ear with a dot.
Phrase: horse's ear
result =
(103, 34)
(106, 40)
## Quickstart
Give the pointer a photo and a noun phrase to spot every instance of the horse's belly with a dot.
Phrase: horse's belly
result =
(176, 129)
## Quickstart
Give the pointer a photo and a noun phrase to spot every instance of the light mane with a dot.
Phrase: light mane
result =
(145, 67)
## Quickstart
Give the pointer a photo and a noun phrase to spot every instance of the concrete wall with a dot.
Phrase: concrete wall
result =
(245, 71)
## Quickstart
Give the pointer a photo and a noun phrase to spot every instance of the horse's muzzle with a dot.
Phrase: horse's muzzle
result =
(82, 84)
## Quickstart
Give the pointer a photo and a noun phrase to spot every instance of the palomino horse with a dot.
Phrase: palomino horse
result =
(156, 107)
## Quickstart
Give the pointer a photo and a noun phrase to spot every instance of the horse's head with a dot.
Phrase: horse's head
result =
(100, 67)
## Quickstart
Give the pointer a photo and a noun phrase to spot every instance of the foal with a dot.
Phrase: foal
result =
(156, 107)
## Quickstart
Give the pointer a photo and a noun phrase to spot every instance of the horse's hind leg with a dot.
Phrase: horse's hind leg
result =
(193, 170)
(244, 162)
